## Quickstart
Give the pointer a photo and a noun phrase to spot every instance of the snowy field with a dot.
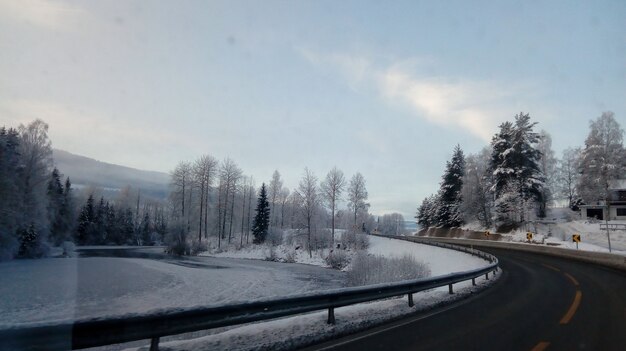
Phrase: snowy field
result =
(302, 330)
(62, 289)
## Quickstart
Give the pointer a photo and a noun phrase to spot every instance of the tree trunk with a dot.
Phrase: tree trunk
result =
(232, 214)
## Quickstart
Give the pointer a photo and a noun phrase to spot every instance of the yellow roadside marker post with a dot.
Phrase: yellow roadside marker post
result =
(529, 236)
(576, 239)
(487, 234)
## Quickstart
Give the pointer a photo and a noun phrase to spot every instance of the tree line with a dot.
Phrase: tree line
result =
(213, 199)
(517, 176)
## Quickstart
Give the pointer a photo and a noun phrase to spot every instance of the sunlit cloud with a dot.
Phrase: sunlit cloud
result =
(44, 13)
(475, 106)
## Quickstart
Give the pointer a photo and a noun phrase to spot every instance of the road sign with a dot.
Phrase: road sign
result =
(576, 239)
(487, 233)
(529, 236)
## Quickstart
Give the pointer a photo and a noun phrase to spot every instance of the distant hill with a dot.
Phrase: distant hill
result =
(85, 171)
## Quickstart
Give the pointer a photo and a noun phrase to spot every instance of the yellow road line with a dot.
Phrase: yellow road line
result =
(572, 309)
(572, 279)
(541, 346)
(551, 267)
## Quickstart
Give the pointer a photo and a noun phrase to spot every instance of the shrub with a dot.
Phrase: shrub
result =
(290, 256)
(176, 240)
(274, 237)
(198, 246)
(337, 259)
(68, 249)
(371, 269)
(270, 254)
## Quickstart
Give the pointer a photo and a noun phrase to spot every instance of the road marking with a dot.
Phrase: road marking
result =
(572, 279)
(551, 267)
(542, 345)
(572, 309)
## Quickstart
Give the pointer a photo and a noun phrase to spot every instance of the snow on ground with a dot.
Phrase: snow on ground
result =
(559, 226)
(302, 330)
(281, 253)
(65, 289)
(439, 260)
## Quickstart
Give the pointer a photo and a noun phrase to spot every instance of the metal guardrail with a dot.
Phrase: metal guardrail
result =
(100, 332)
(613, 226)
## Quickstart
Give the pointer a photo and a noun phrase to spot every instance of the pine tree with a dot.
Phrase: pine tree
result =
(261, 219)
(85, 226)
(55, 207)
(450, 199)
(515, 167)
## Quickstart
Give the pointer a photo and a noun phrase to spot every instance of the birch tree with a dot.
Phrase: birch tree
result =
(357, 195)
(331, 189)
(309, 201)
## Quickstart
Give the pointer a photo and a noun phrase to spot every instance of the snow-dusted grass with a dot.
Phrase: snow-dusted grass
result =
(302, 330)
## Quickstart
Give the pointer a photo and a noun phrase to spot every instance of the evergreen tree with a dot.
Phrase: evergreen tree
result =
(515, 167)
(450, 199)
(10, 201)
(85, 226)
(427, 212)
(262, 217)
(55, 208)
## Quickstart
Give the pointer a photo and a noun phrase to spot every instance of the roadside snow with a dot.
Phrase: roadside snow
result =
(440, 261)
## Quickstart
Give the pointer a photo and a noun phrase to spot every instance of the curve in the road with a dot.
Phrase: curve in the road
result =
(539, 303)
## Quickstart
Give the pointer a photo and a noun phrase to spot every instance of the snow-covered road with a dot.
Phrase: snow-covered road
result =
(56, 289)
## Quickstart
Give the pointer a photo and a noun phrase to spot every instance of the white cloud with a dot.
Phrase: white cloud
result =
(475, 106)
(44, 13)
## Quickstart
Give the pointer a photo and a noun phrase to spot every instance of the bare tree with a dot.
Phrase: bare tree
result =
(309, 201)
(180, 179)
(283, 197)
(36, 154)
(229, 175)
(331, 189)
(275, 186)
(357, 195)
(568, 174)
(204, 173)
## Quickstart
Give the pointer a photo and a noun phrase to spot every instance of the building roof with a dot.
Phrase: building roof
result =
(617, 184)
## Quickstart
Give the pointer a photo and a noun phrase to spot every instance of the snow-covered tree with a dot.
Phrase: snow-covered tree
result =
(602, 159)
(427, 212)
(568, 174)
(548, 166)
(448, 214)
(331, 190)
(476, 194)
(261, 219)
(275, 186)
(309, 202)
(357, 195)
(515, 165)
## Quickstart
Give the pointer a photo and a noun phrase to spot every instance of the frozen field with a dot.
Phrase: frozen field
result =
(56, 289)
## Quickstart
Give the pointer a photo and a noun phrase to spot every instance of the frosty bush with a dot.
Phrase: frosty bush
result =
(274, 237)
(68, 249)
(290, 256)
(32, 244)
(270, 254)
(337, 259)
(176, 240)
(370, 269)
(321, 239)
(351, 239)
(8, 246)
(198, 246)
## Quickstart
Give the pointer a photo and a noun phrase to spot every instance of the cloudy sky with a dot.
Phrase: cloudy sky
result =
(384, 88)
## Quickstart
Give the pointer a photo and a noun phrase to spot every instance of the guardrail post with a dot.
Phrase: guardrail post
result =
(331, 315)
(474, 281)
(487, 275)
(154, 344)
(411, 304)
(494, 273)
(450, 289)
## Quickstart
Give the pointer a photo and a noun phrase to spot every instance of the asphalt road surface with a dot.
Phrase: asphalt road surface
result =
(539, 303)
